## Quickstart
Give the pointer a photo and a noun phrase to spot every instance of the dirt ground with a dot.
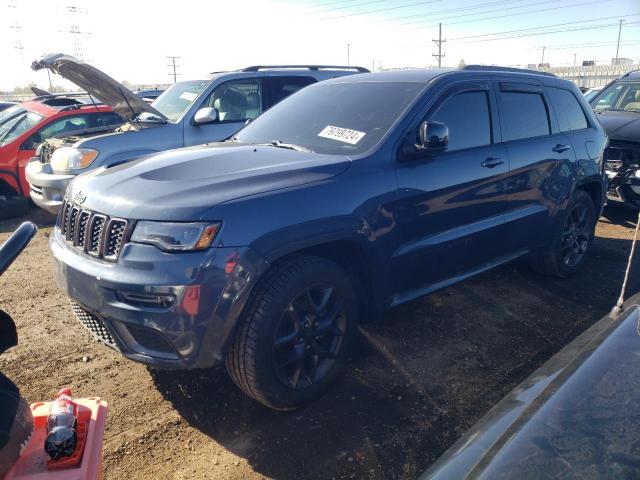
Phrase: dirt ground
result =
(416, 381)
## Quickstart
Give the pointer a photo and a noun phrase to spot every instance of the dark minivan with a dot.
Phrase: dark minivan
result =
(349, 197)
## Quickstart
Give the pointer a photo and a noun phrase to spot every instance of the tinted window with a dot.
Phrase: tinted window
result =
(105, 119)
(467, 117)
(281, 87)
(524, 115)
(15, 126)
(334, 118)
(236, 100)
(568, 110)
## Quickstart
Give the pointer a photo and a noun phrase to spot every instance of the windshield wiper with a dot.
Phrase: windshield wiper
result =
(288, 146)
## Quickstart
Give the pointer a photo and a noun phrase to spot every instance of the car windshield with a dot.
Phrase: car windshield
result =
(333, 118)
(618, 96)
(17, 125)
(10, 112)
(176, 100)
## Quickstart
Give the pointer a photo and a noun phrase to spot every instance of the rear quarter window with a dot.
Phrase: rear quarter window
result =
(568, 110)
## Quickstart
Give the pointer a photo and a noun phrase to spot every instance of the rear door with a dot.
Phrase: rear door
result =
(278, 88)
(452, 204)
(539, 179)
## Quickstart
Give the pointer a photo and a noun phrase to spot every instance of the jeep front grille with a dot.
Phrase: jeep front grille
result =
(93, 233)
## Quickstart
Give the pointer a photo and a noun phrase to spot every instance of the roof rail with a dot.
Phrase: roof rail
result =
(490, 68)
(255, 68)
(57, 95)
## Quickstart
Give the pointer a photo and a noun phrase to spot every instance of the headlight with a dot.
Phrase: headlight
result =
(175, 236)
(69, 158)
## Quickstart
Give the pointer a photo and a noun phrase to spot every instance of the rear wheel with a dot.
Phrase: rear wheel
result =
(292, 341)
(572, 239)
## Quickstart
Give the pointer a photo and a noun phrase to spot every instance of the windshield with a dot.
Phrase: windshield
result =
(17, 125)
(176, 100)
(334, 118)
(618, 96)
(10, 113)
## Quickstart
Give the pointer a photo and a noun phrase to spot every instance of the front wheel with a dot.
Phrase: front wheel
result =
(292, 341)
(572, 238)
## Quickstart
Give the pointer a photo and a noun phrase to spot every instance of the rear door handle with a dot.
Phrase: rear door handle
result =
(561, 148)
(492, 162)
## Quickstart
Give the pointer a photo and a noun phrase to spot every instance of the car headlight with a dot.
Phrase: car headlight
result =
(70, 158)
(175, 236)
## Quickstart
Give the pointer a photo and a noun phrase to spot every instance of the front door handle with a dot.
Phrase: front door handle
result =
(561, 148)
(492, 162)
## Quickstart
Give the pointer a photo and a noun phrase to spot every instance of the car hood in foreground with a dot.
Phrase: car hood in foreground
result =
(181, 185)
(620, 125)
(575, 417)
(97, 83)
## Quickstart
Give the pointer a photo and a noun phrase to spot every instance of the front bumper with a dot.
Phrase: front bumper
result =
(169, 310)
(45, 187)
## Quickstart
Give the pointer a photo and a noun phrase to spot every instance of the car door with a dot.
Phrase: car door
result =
(236, 101)
(452, 204)
(539, 178)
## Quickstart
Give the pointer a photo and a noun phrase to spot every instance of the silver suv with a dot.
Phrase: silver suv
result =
(188, 113)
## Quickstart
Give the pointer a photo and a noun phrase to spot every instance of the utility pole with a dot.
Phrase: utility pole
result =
(348, 54)
(618, 45)
(439, 42)
(173, 73)
(542, 61)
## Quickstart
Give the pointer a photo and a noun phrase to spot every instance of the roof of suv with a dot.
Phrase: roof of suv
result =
(426, 75)
(43, 108)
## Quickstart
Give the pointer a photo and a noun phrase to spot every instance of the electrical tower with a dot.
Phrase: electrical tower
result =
(172, 65)
(74, 29)
(439, 42)
(17, 44)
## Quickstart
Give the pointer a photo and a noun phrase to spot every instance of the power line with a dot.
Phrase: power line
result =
(397, 7)
(347, 6)
(518, 13)
(590, 27)
(545, 26)
(451, 10)
(334, 3)
(473, 13)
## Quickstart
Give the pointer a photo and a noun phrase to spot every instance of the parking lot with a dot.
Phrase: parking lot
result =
(415, 383)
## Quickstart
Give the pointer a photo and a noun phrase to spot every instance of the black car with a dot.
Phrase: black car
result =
(575, 417)
(618, 109)
(351, 196)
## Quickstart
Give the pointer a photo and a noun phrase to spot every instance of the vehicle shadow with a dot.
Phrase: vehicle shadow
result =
(417, 380)
(619, 215)
(40, 217)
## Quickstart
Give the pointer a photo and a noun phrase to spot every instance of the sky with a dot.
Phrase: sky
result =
(130, 40)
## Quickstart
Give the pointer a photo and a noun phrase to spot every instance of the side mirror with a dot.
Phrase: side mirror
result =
(433, 137)
(430, 139)
(205, 115)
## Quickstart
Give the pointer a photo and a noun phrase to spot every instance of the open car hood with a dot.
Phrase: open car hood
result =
(97, 83)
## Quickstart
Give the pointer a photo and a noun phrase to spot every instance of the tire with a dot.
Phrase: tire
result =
(292, 340)
(11, 207)
(556, 259)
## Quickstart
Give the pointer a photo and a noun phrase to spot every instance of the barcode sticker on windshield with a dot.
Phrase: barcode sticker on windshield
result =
(345, 135)
(188, 96)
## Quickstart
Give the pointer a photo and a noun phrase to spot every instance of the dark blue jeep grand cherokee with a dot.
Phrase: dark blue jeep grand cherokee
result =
(351, 196)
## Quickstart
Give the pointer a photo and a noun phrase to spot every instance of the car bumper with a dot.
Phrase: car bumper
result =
(169, 310)
(45, 187)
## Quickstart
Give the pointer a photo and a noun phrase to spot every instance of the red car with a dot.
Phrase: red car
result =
(24, 126)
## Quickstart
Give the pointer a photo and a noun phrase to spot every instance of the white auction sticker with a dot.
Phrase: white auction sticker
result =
(189, 96)
(345, 135)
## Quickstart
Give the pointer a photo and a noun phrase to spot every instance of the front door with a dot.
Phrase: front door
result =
(451, 205)
(236, 101)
